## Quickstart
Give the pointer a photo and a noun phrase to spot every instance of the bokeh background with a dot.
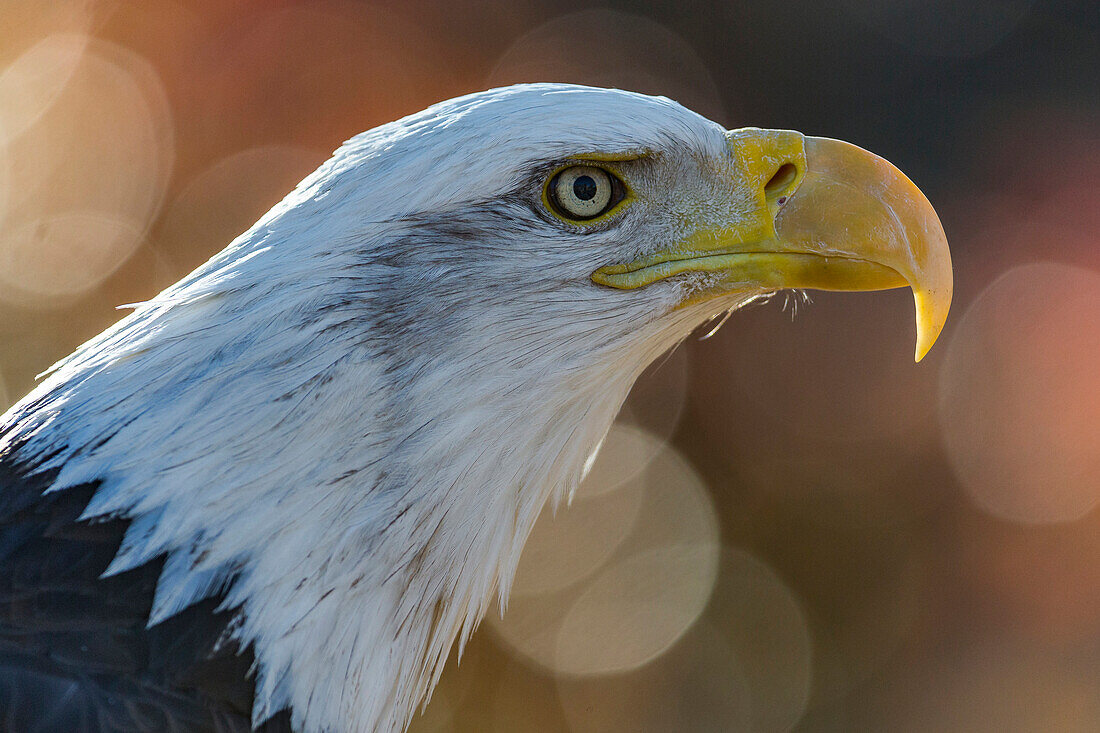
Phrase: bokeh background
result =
(792, 526)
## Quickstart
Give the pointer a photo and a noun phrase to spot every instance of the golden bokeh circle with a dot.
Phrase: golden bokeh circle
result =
(575, 542)
(92, 168)
(641, 599)
(1019, 401)
(745, 666)
(633, 52)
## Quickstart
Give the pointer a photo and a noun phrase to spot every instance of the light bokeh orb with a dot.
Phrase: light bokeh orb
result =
(635, 609)
(632, 53)
(92, 172)
(698, 686)
(763, 623)
(1019, 398)
(31, 83)
(27, 23)
(67, 253)
(643, 597)
(745, 666)
(574, 543)
(626, 451)
(226, 198)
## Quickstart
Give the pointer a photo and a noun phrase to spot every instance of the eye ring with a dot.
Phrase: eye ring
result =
(581, 193)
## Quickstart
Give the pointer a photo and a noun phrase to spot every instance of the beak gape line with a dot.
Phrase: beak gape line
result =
(828, 216)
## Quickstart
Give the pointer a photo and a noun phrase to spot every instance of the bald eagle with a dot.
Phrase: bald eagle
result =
(275, 494)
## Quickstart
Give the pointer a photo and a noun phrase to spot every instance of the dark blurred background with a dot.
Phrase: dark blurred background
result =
(792, 527)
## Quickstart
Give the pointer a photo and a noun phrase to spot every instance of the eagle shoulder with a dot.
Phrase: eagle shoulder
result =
(75, 651)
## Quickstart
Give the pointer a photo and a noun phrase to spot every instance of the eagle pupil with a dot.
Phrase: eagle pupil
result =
(584, 188)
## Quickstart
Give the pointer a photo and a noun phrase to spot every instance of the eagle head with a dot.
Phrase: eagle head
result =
(345, 424)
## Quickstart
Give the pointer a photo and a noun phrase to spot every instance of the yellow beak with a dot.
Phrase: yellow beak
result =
(823, 214)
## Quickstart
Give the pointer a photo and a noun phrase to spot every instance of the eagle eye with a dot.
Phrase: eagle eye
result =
(584, 192)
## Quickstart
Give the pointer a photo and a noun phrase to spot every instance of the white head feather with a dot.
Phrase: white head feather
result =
(349, 419)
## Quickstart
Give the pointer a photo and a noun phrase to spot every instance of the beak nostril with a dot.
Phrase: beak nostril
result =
(779, 185)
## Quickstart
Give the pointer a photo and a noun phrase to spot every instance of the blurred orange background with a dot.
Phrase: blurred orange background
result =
(791, 527)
